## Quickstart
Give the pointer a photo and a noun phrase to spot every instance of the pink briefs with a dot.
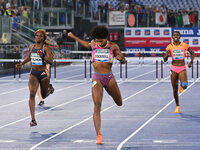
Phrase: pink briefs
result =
(177, 69)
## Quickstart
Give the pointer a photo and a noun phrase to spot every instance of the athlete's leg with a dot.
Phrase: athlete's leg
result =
(46, 89)
(174, 81)
(183, 79)
(40, 96)
(97, 94)
(113, 90)
(33, 86)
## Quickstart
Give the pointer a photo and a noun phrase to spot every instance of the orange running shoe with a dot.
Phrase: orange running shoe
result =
(181, 89)
(99, 138)
(177, 110)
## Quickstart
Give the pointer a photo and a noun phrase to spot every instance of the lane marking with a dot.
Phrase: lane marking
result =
(148, 121)
(12, 91)
(79, 123)
(165, 141)
(7, 141)
(68, 102)
(84, 141)
(3, 106)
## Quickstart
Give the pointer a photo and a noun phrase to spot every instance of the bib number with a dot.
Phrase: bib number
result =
(178, 54)
(36, 59)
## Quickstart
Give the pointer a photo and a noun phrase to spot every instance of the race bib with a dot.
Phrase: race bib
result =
(102, 55)
(36, 59)
(178, 54)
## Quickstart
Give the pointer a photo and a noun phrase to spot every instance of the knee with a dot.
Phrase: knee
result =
(97, 105)
(32, 96)
(184, 85)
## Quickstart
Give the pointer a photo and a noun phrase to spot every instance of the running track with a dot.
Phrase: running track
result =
(146, 121)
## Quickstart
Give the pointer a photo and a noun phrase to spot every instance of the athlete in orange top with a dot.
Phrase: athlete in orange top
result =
(177, 50)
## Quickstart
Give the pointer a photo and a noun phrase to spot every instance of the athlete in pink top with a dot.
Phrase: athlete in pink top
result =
(103, 53)
(177, 50)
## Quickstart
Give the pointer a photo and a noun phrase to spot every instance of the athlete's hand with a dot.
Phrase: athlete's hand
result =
(190, 64)
(121, 59)
(17, 66)
(39, 52)
(168, 53)
(70, 34)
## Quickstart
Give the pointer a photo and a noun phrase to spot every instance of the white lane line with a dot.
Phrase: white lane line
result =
(165, 141)
(79, 123)
(5, 84)
(3, 106)
(7, 141)
(148, 121)
(68, 102)
(64, 104)
(12, 91)
(84, 141)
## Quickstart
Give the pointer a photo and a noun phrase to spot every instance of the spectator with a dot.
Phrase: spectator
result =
(36, 5)
(59, 40)
(8, 12)
(85, 38)
(192, 17)
(15, 21)
(25, 14)
(16, 50)
(8, 4)
(196, 13)
(179, 19)
(64, 36)
(15, 3)
(1, 11)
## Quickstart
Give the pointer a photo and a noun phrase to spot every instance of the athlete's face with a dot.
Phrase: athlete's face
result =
(176, 37)
(39, 37)
(101, 42)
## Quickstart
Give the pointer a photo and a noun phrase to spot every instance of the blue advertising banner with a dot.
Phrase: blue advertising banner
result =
(188, 32)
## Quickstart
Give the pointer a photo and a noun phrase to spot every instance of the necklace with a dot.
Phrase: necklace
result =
(105, 45)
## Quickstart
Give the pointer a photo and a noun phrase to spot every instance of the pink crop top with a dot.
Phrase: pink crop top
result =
(102, 54)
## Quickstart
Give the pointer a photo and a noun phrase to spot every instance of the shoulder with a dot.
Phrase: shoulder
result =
(31, 47)
(92, 43)
(113, 45)
(185, 44)
(169, 46)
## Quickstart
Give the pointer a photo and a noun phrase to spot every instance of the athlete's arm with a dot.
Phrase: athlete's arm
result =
(167, 54)
(117, 53)
(192, 56)
(82, 42)
(25, 60)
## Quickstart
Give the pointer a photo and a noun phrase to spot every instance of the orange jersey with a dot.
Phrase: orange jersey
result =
(177, 51)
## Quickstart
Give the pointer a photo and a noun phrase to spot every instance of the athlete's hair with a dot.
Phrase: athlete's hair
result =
(177, 32)
(47, 42)
(100, 32)
(43, 32)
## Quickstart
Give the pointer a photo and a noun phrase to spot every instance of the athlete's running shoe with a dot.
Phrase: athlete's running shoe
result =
(41, 103)
(181, 89)
(33, 123)
(177, 110)
(99, 139)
